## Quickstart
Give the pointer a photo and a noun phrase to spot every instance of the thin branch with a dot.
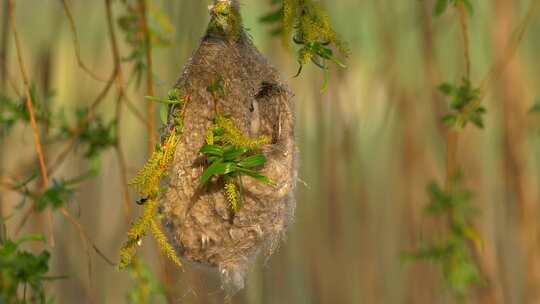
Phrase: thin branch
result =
(140, 117)
(496, 70)
(84, 235)
(76, 43)
(4, 46)
(11, 186)
(77, 132)
(150, 106)
(30, 108)
(122, 162)
(465, 35)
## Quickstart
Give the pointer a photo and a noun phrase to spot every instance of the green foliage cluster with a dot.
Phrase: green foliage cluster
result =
(94, 136)
(453, 251)
(146, 288)
(13, 110)
(310, 28)
(159, 29)
(148, 184)
(22, 270)
(535, 108)
(442, 5)
(230, 155)
(59, 193)
(464, 104)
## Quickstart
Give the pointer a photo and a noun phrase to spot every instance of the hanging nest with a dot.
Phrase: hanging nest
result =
(199, 221)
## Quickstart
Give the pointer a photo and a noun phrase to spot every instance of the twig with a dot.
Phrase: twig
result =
(29, 107)
(77, 132)
(150, 106)
(43, 168)
(131, 107)
(465, 35)
(122, 162)
(76, 43)
(517, 36)
(85, 236)
(3, 76)
(4, 47)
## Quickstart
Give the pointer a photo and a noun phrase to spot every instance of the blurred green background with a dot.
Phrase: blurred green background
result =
(368, 147)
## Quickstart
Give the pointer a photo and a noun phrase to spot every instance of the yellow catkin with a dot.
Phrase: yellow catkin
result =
(163, 243)
(136, 232)
(210, 136)
(231, 193)
(313, 26)
(126, 254)
(227, 18)
(138, 229)
(233, 136)
(147, 180)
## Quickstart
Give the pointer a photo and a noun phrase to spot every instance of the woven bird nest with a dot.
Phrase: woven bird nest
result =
(199, 221)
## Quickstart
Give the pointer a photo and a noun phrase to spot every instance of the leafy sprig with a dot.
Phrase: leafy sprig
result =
(95, 135)
(230, 154)
(13, 111)
(21, 269)
(174, 97)
(464, 105)
(453, 251)
(310, 28)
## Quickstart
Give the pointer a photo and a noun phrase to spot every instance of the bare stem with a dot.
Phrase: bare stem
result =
(30, 108)
(150, 106)
(76, 43)
(465, 34)
(517, 36)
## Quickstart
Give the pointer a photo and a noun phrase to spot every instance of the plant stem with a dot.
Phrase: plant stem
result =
(76, 43)
(150, 107)
(465, 35)
(30, 109)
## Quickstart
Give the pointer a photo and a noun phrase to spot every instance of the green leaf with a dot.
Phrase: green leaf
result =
(446, 88)
(162, 100)
(272, 17)
(163, 114)
(55, 196)
(449, 120)
(535, 109)
(217, 168)
(212, 150)
(255, 175)
(231, 153)
(253, 161)
(440, 7)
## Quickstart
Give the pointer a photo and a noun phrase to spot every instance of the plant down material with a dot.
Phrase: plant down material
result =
(259, 108)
